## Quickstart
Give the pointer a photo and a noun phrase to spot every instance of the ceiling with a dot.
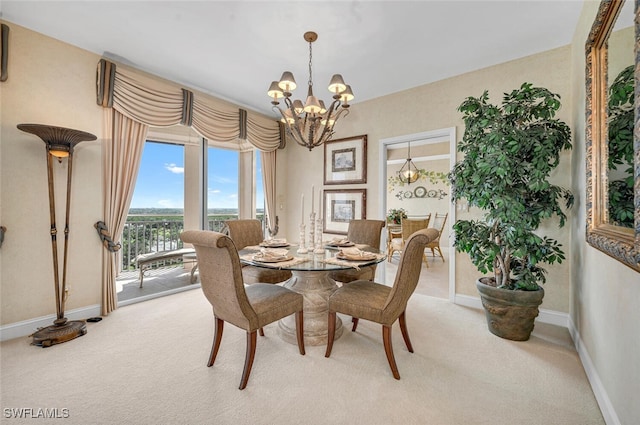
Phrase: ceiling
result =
(234, 49)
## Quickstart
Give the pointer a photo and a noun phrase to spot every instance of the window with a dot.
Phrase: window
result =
(259, 188)
(156, 214)
(222, 186)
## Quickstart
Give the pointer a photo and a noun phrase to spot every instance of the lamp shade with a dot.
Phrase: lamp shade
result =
(274, 91)
(312, 106)
(347, 95)
(287, 82)
(409, 172)
(337, 84)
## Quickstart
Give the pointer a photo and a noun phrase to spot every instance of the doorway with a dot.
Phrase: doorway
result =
(426, 148)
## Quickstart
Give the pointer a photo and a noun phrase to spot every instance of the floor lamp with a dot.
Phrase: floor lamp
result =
(60, 143)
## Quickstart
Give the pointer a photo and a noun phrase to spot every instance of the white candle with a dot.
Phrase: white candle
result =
(302, 209)
(313, 189)
(321, 212)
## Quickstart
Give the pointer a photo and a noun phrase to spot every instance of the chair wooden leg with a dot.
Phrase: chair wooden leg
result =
(261, 331)
(405, 332)
(248, 360)
(331, 332)
(425, 259)
(440, 252)
(217, 337)
(354, 320)
(300, 331)
(388, 349)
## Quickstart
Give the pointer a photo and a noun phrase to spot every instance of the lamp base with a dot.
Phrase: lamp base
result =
(61, 331)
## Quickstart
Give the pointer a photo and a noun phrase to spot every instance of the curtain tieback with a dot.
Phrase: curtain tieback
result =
(105, 237)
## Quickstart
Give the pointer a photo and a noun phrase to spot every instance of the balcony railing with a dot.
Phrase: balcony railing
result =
(146, 234)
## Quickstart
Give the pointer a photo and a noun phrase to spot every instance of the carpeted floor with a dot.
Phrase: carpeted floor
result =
(146, 364)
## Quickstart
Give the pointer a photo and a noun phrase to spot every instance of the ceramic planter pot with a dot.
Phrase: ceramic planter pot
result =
(510, 314)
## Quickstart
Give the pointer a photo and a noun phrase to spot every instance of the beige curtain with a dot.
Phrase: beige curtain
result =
(262, 133)
(137, 100)
(215, 123)
(146, 100)
(122, 154)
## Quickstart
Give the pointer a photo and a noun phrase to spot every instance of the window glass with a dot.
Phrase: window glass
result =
(222, 186)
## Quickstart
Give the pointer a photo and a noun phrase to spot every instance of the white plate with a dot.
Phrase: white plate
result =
(272, 260)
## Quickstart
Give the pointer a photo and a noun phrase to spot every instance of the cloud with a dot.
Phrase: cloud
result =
(214, 191)
(166, 203)
(233, 195)
(220, 179)
(174, 168)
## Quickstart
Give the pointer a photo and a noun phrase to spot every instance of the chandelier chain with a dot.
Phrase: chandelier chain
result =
(310, 56)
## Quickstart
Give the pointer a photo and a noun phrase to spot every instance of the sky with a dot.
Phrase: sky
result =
(160, 182)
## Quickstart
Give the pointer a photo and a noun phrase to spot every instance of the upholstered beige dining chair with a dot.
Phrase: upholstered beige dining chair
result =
(366, 232)
(249, 308)
(380, 303)
(249, 233)
(438, 223)
(409, 227)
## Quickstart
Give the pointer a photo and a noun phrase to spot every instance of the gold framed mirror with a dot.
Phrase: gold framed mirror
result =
(613, 133)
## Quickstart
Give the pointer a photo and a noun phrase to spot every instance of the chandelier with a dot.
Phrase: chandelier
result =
(310, 124)
(409, 172)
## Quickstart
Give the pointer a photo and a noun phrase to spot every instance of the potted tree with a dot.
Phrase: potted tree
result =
(509, 152)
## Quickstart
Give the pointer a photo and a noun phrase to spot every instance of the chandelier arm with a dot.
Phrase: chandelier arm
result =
(328, 129)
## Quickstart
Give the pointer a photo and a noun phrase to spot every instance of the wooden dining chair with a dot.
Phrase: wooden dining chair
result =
(247, 307)
(409, 227)
(380, 303)
(249, 233)
(438, 223)
(365, 232)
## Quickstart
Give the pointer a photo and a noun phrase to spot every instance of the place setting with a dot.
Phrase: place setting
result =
(353, 257)
(339, 243)
(272, 255)
(275, 243)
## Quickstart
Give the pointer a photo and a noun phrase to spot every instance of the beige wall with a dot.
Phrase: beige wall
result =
(605, 294)
(49, 83)
(434, 106)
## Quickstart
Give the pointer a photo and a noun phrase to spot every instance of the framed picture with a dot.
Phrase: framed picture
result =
(345, 160)
(342, 206)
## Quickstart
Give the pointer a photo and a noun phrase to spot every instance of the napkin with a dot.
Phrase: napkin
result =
(355, 254)
(339, 241)
(272, 254)
(274, 242)
(352, 252)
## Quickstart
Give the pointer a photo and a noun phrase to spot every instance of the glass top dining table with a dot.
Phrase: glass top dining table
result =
(311, 278)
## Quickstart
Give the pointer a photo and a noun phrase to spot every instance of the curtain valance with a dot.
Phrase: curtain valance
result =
(156, 102)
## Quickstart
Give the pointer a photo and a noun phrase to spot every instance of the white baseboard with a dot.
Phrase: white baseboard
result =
(551, 317)
(28, 327)
(608, 412)
(564, 320)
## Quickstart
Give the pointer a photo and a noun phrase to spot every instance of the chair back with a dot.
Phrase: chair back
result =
(221, 277)
(412, 225)
(439, 221)
(245, 233)
(366, 232)
(408, 271)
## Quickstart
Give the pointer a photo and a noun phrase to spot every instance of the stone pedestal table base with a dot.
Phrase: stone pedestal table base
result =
(315, 287)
